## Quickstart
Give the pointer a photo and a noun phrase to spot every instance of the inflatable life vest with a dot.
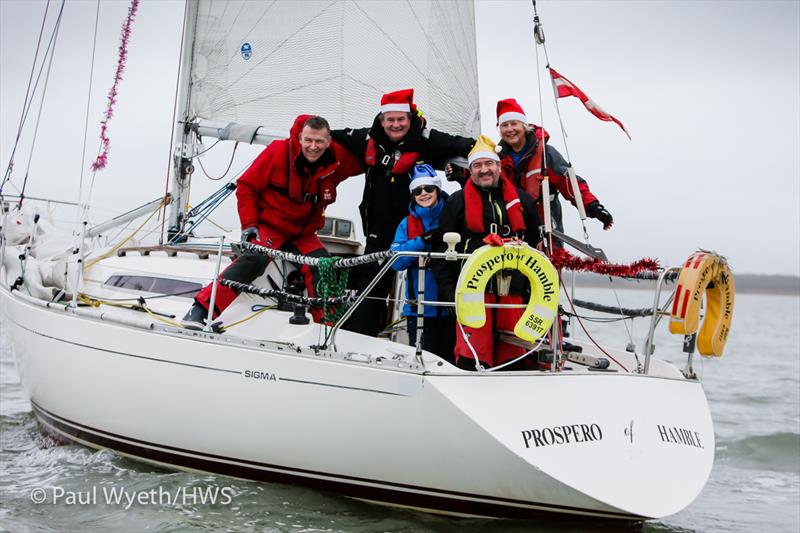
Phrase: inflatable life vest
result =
(704, 272)
(484, 263)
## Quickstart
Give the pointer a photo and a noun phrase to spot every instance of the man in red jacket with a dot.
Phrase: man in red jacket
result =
(281, 199)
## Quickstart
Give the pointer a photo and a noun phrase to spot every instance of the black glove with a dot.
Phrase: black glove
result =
(433, 236)
(596, 210)
(250, 234)
(456, 173)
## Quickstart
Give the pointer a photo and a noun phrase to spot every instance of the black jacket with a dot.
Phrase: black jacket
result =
(386, 196)
(454, 219)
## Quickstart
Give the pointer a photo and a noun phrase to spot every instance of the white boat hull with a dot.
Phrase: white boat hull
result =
(612, 445)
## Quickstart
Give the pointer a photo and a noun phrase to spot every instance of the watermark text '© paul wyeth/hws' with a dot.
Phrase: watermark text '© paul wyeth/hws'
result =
(124, 497)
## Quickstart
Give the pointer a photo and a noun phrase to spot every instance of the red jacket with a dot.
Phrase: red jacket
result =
(527, 174)
(277, 192)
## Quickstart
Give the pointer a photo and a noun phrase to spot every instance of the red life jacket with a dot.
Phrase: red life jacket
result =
(414, 227)
(401, 166)
(530, 180)
(275, 192)
(473, 206)
(321, 189)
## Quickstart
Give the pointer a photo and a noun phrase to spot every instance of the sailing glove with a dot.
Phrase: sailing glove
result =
(250, 234)
(596, 210)
(433, 236)
(456, 173)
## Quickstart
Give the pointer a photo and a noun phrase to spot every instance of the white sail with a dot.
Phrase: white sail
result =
(263, 63)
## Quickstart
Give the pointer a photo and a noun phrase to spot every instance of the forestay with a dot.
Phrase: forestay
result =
(263, 63)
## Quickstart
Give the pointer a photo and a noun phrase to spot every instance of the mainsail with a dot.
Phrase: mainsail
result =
(263, 63)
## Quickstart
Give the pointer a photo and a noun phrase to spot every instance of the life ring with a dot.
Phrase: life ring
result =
(484, 263)
(704, 272)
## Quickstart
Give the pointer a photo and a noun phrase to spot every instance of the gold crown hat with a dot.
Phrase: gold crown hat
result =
(484, 148)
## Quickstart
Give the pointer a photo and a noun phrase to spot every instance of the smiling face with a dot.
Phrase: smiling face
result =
(396, 124)
(313, 143)
(485, 172)
(423, 198)
(513, 134)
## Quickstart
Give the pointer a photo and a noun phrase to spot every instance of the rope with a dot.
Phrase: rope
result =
(540, 39)
(53, 40)
(91, 301)
(331, 286)
(10, 166)
(286, 296)
(230, 164)
(204, 209)
(597, 345)
(82, 212)
(261, 309)
(121, 244)
(341, 262)
(612, 310)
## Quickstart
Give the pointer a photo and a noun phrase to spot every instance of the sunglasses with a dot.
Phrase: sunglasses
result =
(423, 188)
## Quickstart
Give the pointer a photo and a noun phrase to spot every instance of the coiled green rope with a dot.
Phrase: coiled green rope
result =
(331, 285)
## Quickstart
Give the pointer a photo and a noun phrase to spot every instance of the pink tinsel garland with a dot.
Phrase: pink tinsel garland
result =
(563, 259)
(102, 159)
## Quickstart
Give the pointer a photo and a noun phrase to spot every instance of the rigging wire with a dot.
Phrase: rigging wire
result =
(83, 209)
(540, 39)
(121, 244)
(544, 148)
(580, 322)
(28, 95)
(51, 50)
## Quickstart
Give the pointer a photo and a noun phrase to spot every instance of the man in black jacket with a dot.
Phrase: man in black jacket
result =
(397, 140)
(488, 204)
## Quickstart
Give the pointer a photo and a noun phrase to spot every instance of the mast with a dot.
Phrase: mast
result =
(182, 163)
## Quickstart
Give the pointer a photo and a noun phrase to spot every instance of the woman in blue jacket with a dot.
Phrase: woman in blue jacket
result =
(418, 232)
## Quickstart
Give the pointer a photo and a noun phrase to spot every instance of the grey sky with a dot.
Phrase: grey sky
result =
(708, 90)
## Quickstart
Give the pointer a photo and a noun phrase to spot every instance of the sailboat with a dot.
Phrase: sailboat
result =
(272, 396)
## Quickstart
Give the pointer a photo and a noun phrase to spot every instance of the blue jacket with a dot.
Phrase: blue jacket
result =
(430, 220)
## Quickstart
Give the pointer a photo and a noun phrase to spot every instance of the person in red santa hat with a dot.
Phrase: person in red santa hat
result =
(397, 140)
(522, 148)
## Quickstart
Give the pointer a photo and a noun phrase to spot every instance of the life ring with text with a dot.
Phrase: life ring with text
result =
(709, 273)
(487, 261)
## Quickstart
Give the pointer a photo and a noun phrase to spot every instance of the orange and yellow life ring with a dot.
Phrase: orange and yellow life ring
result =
(487, 261)
(709, 273)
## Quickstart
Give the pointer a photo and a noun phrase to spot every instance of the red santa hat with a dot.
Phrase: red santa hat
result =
(402, 100)
(509, 109)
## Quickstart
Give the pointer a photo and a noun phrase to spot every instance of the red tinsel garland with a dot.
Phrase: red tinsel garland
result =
(563, 259)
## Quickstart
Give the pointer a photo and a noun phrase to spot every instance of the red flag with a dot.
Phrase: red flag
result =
(563, 88)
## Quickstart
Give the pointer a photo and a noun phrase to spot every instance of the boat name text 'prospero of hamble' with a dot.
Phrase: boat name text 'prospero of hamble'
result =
(490, 266)
(256, 374)
(562, 435)
(676, 435)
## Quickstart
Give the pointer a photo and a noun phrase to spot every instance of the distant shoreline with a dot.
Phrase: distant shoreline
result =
(745, 283)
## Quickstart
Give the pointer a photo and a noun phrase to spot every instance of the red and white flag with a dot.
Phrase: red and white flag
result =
(563, 88)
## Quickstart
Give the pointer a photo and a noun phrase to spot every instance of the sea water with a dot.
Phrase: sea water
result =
(754, 393)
